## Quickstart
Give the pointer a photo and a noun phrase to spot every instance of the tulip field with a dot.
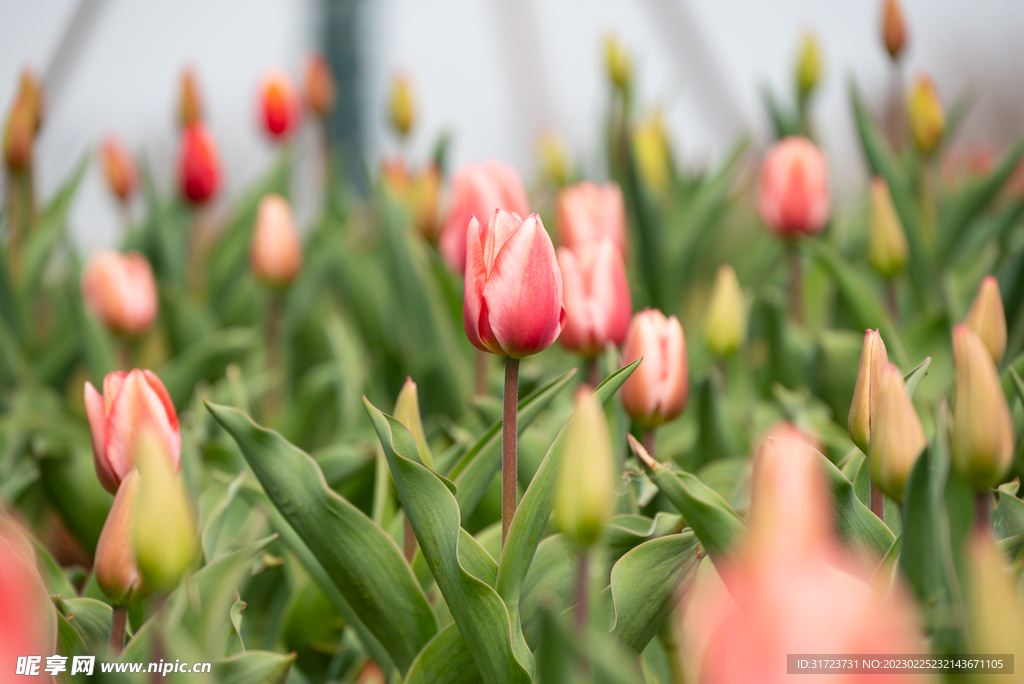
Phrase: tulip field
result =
(651, 425)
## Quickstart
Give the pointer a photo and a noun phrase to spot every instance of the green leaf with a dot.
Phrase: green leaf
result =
(914, 377)
(41, 242)
(70, 644)
(90, 618)
(254, 667)
(858, 526)
(549, 585)
(235, 645)
(445, 660)
(53, 578)
(205, 360)
(1008, 516)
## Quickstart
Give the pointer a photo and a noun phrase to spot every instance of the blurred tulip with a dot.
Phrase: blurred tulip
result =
(199, 165)
(988, 319)
(808, 70)
(320, 93)
(279, 104)
(275, 252)
(982, 442)
(927, 120)
(897, 437)
(617, 63)
(425, 198)
(513, 295)
(30, 91)
(794, 195)
(371, 674)
(28, 618)
(407, 412)
(129, 401)
(121, 291)
(894, 28)
(887, 243)
(596, 296)
(726, 323)
(402, 105)
(118, 169)
(658, 389)
(556, 161)
(19, 136)
(996, 605)
(584, 499)
(190, 102)
(864, 407)
(650, 148)
(116, 570)
(477, 190)
(588, 212)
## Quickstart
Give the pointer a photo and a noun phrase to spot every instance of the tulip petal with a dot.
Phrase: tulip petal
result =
(579, 325)
(610, 303)
(639, 393)
(676, 388)
(111, 388)
(95, 411)
(167, 417)
(475, 278)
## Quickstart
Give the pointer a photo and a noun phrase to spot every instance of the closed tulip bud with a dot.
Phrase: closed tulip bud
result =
(30, 91)
(19, 136)
(658, 389)
(513, 295)
(988, 319)
(199, 165)
(794, 194)
(279, 105)
(275, 253)
(120, 290)
(996, 605)
(129, 400)
(584, 499)
(617, 63)
(407, 412)
(426, 193)
(887, 243)
(556, 162)
(982, 443)
(402, 106)
(190, 102)
(927, 120)
(808, 70)
(650, 148)
(588, 212)
(596, 296)
(726, 324)
(118, 169)
(477, 190)
(894, 28)
(864, 407)
(116, 570)
(897, 438)
(319, 86)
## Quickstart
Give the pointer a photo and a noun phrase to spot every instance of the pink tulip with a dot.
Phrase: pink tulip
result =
(276, 249)
(130, 402)
(513, 296)
(588, 212)
(28, 619)
(596, 295)
(121, 291)
(477, 190)
(794, 197)
(199, 172)
(657, 390)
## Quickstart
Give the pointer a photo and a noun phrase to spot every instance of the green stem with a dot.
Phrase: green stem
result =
(508, 446)
(796, 290)
(877, 502)
(582, 594)
(593, 379)
(982, 511)
(650, 442)
(272, 397)
(669, 634)
(118, 626)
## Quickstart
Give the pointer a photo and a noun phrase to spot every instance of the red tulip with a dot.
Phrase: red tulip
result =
(794, 197)
(276, 249)
(477, 190)
(118, 169)
(199, 165)
(279, 104)
(28, 619)
(596, 295)
(513, 296)
(588, 212)
(319, 85)
(121, 291)
(658, 389)
(130, 402)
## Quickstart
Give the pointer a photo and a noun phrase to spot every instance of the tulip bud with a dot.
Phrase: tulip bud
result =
(617, 63)
(128, 401)
(584, 499)
(275, 252)
(988, 319)
(279, 105)
(30, 91)
(199, 165)
(513, 294)
(402, 107)
(596, 296)
(864, 408)
(116, 571)
(190, 103)
(927, 120)
(794, 195)
(808, 70)
(658, 389)
(887, 243)
(407, 412)
(319, 86)
(19, 136)
(165, 524)
(897, 437)
(118, 169)
(650, 149)
(894, 28)
(588, 212)
(120, 290)
(982, 442)
(726, 324)
(996, 605)
(556, 162)
(426, 191)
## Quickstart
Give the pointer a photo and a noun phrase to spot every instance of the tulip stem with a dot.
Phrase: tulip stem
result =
(582, 593)
(982, 511)
(796, 294)
(118, 625)
(123, 355)
(271, 399)
(508, 446)
(890, 300)
(650, 442)
(877, 501)
(593, 379)
(481, 372)
(669, 634)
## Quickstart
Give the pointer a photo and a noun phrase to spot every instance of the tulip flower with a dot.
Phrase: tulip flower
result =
(556, 161)
(982, 441)
(120, 290)
(275, 252)
(658, 389)
(477, 190)
(199, 165)
(584, 499)
(794, 195)
(588, 212)
(897, 438)
(887, 243)
(808, 69)
(617, 63)
(279, 105)
(927, 120)
(30, 91)
(319, 86)
(116, 570)
(996, 604)
(419, 192)
(726, 323)
(988, 319)
(650, 148)
(28, 618)
(19, 136)
(402, 106)
(128, 401)
(118, 169)
(864, 407)
(596, 295)
(894, 29)
(190, 103)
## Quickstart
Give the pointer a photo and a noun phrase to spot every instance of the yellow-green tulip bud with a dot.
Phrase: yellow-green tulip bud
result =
(996, 605)
(863, 409)
(887, 243)
(584, 499)
(808, 70)
(556, 161)
(650, 149)
(617, 63)
(988, 319)
(407, 411)
(982, 443)
(402, 108)
(726, 324)
(927, 120)
(897, 438)
(117, 572)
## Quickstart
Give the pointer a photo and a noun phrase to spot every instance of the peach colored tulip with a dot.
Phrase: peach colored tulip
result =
(864, 407)
(658, 389)
(276, 249)
(28, 619)
(988, 318)
(130, 402)
(513, 295)
(894, 28)
(121, 291)
(588, 212)
(897, 438)
(319, 86)
(30, 91)
(279, 105)
(596, 296)
(118, 169)
(199, 165)
(190, 102)
(19, 136)
(794, 195)
(477, 190)
(116, 570)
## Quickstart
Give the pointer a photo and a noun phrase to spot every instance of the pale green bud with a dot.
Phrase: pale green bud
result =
(726, 324)
(897, 438)
(584, 499)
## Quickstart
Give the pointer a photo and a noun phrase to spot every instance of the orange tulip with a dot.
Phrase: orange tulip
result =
(894, 28)
(279, 105)
(121, 291)
(276, 249)
(118, 169)
(319, 85)
(190, 103)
